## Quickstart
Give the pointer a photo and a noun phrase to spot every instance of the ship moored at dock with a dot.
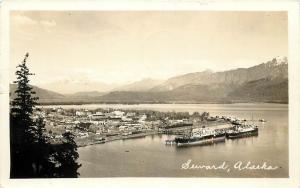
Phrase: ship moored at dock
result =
(242, 131)
(201, 136)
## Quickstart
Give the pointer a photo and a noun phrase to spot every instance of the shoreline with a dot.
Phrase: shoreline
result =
(141, 103)
(174, 131)
(121, 105)
(114, 138)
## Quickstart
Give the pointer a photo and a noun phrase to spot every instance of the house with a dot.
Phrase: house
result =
(79, 113)
(118, 113)
(59, 110)
(130, 114)
(123, 128)
(126, 119)
(98, 116)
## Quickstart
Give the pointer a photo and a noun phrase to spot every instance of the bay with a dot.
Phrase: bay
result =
(150, 157)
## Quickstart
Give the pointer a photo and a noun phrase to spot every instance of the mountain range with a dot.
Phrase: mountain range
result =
(71, 86)
(142, 85)
(265, 82)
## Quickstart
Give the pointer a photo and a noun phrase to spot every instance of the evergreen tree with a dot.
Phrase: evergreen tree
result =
(22, 126)
(32, 155)
(67, 157)
(42, 150)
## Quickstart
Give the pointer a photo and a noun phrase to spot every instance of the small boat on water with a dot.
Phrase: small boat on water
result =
(100, 141)
(203, 136)
(242, 131)
(262, 120)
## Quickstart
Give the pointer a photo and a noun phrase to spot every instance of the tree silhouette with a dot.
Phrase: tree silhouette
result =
(32, 154)
(66, 156)
(23, 128)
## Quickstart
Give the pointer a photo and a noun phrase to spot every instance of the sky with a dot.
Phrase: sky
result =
(121, 47)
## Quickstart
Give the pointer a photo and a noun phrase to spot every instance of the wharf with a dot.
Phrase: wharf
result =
(91, 141)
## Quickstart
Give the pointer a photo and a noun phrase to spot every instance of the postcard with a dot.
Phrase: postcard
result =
(194, 93)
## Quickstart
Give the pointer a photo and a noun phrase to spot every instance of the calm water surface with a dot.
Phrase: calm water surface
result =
(150, 157)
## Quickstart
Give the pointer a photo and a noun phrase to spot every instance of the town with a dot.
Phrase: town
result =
(103, 125)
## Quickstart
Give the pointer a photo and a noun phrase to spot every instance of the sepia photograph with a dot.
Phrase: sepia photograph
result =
(124, 93)
(149, 93)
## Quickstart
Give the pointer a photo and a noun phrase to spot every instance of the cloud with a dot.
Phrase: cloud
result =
(47, 23)
(24, 20)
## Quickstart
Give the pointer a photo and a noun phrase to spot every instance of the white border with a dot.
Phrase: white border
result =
(294, 93)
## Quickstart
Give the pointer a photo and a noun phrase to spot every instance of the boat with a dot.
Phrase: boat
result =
(235, 122)
(99, 140)
(262, 120)
(242, 131)
(126, 133)
(201, 137)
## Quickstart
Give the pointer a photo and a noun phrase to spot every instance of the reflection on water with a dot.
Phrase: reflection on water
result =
(150, 157)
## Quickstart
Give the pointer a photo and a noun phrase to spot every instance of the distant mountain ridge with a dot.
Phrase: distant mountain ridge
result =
(77, 86)
(265, 90)
(47, 96)
(43, 94)
(274, 68)
(142, 85)
(266, 82)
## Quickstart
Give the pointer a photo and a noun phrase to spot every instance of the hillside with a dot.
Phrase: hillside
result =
(43, 94)
(77, 86)
(276, 68)
(86, 94)
(183, 94)
(142, 85)
(266, 82)
(50, 97)
(263, 90)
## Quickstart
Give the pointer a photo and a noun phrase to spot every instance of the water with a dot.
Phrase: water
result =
(150, 157)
